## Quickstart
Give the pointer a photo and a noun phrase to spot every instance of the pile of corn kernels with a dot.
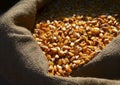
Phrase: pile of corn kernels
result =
(71, 42)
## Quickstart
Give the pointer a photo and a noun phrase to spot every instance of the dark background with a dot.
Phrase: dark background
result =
(6, 4)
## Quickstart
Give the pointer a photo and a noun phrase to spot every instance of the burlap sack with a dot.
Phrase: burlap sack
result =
(22, 62)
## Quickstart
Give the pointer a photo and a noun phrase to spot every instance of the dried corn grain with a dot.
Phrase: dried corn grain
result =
(74, 41)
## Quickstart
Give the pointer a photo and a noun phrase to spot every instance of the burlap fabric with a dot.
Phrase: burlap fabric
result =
(22, 62)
